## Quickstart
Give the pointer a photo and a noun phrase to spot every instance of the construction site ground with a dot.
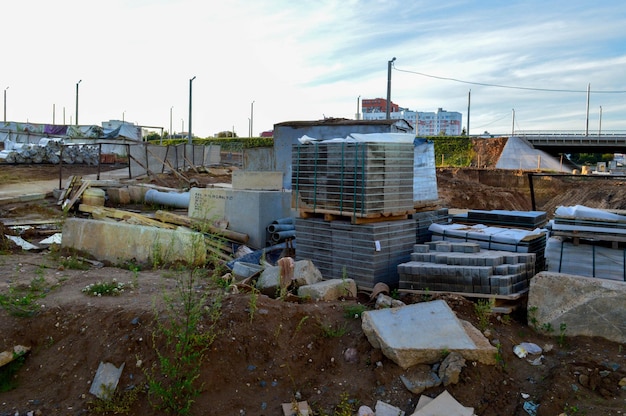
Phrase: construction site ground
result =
(266, 351)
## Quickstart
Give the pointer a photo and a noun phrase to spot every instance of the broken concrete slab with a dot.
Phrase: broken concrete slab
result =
(118, 242)
(419, 378)
(583, 305)
(297, 409)
(105, 381)
(417, 334)
(444, 404)
(331, 289)
(304, 273)
(385, 409)
(10, 355)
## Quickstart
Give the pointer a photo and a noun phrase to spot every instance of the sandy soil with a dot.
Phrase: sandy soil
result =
(266, 351)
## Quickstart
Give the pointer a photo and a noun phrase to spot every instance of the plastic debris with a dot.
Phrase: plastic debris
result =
(531, 408)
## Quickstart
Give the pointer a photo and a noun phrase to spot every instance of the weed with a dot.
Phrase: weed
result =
(252, 304)
(562, 329)
(395, 294)
(505, 319)
(111, 288)
(426, 296)
(22, 302)
(74, 263)
(444, 353)
(353, 311)
(180, 342)
(8, 371)
(500, 356)
(345, 407)
(330, 331)
(547, 327)
(532, 317)
(301, 323)
(116, 402)
(483, 311)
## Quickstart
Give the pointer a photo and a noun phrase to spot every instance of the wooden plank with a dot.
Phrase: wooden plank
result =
(200, 225)
(124, 215)
(69, 203)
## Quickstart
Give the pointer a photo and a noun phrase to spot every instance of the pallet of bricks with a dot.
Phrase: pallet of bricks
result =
(479, 260)
(354, 201)
(587, 242)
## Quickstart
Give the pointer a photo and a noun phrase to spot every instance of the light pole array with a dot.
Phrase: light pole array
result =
(79, 81)
(389, 86)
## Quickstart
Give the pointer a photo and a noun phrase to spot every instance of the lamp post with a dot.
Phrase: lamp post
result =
(182, 126)
(251, 118)
(123, 114)
(600, 125)
(5, 104)
(358, 102)
(389, 86)
(171, 121)
(190, 84)
(79, 81)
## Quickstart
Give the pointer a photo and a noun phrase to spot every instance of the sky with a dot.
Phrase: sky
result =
(516, 65)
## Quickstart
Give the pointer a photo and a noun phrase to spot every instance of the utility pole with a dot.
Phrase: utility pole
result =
(469, 99)
(389, 86)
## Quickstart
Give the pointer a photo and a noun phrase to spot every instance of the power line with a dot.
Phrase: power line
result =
(504, 86)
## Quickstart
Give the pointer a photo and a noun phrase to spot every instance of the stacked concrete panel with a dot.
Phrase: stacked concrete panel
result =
(423, 221)
(505, 218)
(367, 253)
(466, 268)
(361, 179)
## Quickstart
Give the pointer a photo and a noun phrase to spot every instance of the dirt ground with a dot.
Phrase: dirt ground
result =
(266, 351)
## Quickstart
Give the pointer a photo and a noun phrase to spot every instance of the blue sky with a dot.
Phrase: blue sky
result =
(306, 60)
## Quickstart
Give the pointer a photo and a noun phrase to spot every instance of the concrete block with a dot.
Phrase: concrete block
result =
(117, 242)
(137, 193)
(416, 334)
(208, 203)
(587, 306)
(327, 290)
(258, 180)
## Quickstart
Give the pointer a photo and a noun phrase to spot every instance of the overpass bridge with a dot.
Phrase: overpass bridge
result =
(576, 142)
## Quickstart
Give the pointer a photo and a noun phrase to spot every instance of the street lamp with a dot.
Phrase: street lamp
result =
(251, 118)
(600, 125)
(358, 101)
(389, 86)
(189, 136)
(77, 101)
(171, 121)
(5, 104)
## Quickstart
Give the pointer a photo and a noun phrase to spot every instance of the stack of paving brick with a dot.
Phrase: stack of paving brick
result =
(466, 268)
(423, 221)
(505, 218)
(368, 253)
(495, 238)
(359, 179)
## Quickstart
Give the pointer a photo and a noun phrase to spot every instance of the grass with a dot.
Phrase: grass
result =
(333, 331)
(110, 288)
(354, 311)
(482, 308)
(24, 301)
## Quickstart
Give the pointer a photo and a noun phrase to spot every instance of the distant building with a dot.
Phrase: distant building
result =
(444, 122)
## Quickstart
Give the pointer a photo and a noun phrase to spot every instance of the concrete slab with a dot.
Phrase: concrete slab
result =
(258, 180)
(444, 404)
(584, 305)
(118, 242)
(208, 203)
(105, 381)
(418, 333)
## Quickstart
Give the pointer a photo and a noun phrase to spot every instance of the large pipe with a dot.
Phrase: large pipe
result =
(283, 235)
(273, 228)
(172, 199)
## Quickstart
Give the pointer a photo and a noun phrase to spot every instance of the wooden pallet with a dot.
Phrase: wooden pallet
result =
(501, 303)
(330, 215)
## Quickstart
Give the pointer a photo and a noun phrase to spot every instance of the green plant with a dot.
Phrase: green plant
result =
(353, 311)
(532, 317)
(346, 407)
(111, 288)
(301, 322)
(483, 311)
(426, 296)
(547, 327)
(73, 262)
(116, 403)
(8, 371)
(22, 301)
(330, 331)
(252, 304)
(395, 294)
(500, 356)
(562, 329)
(180, 342)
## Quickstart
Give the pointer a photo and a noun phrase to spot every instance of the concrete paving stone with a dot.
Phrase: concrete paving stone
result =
(421, 248)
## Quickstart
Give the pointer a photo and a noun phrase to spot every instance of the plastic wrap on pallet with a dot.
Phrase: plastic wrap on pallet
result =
(590, 260)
